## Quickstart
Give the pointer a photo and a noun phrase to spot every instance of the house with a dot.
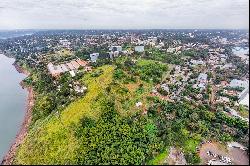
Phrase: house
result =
(202, 77)
(58, 69)
(81, 62)
(139, 48)
(202, 80)
(54, 70)
(115, 48)
(113, 54)
(238, 83)
(244, 97)
(94, 56)
(138, 104)
(64, 43)
(170, 50)
(70, 66)
(233, 112)
(50, 67)
(177, 49)
(154, 91)
(227, 66)
(177, 68)
(197, 62)
(223, 56)
(165, 87)
(75, 64)
(64, 68)
(79, 89)
(224, 99)
(199, 96)
(87, 68)
(224, 83)
(72, 73)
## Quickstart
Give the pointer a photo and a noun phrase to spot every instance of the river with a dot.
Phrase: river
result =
(12, 103)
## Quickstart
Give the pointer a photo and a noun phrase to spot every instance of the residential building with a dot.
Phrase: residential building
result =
(244, 97)
(54, 70)
(75, 64)
(165, 87)
(70, 66)
(81, 62)
(139, 48)
(197, 62)
(239, 83)
(116, 48)
(202, 80)
(94, 56)
(64, 68)
(72, 73)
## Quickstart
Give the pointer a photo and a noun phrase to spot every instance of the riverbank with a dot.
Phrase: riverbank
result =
(9, 157)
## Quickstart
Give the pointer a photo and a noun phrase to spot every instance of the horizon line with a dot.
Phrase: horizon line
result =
(41, 29)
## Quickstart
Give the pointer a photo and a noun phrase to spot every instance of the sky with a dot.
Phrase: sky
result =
(124, 14)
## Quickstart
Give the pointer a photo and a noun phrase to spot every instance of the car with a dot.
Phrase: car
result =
(220, 157)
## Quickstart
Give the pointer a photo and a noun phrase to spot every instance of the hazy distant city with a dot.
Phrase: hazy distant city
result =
(128, 82)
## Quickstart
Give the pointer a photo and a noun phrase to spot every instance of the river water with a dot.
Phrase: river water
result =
(12, 103)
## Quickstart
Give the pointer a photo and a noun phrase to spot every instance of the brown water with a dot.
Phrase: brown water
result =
(12, 103)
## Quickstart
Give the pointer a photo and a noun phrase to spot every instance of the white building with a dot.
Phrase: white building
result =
(64, 68)
(80, 89)
(94, 57)
(177, 68)
(170, 50)
(139, 48)
(202, 80)
(244, 97)
(64, 43)
(54, 70)
(165, 87)
(113, 54)
(138, 104)
(116, 48)
(239, 83)
(72, 73)
(224, 99)
(197, 62)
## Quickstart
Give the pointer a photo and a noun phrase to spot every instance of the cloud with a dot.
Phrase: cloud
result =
(123, 14)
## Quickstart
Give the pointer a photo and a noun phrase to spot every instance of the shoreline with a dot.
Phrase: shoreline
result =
(23, 130)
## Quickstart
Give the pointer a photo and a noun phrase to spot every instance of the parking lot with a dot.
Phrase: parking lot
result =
(237, 156)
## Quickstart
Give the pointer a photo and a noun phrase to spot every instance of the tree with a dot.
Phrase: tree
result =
(118, 74)
(192, 158)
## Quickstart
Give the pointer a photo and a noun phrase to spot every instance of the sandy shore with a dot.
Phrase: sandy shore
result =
(9, 157)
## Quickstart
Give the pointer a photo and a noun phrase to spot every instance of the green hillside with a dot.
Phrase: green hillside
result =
(53, 141)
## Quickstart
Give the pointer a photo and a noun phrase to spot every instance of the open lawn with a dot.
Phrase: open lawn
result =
(190, 145)
(160, 159)
(126, 101)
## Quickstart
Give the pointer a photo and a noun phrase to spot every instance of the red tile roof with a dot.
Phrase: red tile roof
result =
(75, 64)
(81, 62)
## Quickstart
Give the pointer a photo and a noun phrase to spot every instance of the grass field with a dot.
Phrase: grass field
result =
(160, 159)
(190, 145)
